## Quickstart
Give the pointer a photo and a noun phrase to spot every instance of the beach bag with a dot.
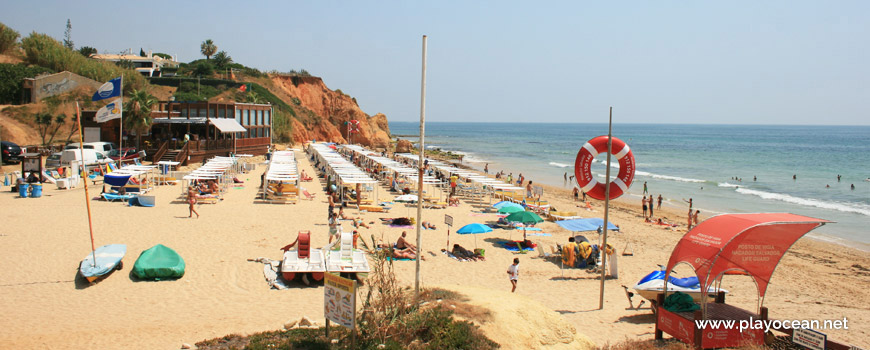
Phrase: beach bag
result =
(479, 251)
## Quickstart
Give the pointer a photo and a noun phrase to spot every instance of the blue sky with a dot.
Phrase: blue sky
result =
(735, 62)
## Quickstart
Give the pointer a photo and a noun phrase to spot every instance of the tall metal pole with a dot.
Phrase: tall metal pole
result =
(120, 123)
(603, 248)
(420, 170)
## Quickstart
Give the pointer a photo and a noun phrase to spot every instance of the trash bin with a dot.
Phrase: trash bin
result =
(22, 190)
(35, 190)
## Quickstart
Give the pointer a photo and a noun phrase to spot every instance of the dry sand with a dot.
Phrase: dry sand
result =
(45, 307)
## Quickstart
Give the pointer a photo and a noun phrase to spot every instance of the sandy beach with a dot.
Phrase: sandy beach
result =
(222, 293)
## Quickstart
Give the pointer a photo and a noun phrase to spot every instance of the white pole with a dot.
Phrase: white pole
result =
(603, 249)
(420, 169)
(121, 123)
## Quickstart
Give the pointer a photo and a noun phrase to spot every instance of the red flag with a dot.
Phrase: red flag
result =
(243, 88)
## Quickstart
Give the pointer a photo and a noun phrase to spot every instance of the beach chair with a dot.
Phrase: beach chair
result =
(543, 254)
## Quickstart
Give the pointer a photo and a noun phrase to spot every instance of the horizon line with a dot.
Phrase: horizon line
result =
(531, 122)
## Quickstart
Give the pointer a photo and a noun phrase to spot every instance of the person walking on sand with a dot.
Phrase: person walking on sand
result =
(645, 190)
(486, 168)
(191, 200)
(660, 201)
(695, 217)
(529, 190)
(513, 272)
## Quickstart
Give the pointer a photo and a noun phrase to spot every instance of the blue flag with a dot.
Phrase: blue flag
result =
(108, 90)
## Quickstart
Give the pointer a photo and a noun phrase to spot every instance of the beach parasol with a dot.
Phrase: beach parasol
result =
(503, 204)
(526, 218)
(509, 209)
(473, 229)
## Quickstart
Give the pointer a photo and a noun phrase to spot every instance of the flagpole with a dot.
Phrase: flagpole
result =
(420, 170)
(603, 248)
(121, 122)
(87, 196)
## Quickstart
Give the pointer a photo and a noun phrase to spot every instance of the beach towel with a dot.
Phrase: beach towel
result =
(402, 226)
(512, 246)
(390, 258)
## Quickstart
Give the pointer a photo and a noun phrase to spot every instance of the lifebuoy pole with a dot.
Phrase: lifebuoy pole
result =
(603, 248)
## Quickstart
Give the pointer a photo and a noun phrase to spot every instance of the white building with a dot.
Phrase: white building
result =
(149, 66)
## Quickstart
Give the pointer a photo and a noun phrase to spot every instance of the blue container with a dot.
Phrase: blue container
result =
(22, 190)
(36, 191)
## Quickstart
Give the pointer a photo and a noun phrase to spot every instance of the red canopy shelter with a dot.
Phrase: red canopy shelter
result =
(750, 243)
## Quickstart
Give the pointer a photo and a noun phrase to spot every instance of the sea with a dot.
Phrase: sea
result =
(723, 168)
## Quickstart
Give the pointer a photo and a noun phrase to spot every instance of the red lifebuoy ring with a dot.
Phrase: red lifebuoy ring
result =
(353, 126)
(583, 167)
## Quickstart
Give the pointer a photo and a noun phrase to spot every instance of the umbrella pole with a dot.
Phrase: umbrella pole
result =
(420, 170)
(603, 248)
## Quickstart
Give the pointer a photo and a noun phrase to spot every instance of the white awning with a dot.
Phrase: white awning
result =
(226, 125)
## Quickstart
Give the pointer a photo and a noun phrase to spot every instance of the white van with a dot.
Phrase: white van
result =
(100, 147)
(90, 157)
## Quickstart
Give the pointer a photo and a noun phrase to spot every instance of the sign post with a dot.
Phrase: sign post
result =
(339, 301)
(448, 220)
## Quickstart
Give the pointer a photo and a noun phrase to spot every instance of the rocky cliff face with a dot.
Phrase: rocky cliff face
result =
(325, 112)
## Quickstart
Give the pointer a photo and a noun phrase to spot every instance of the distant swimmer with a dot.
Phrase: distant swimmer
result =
(827, 186)
(794, 177)
(853, 187)
(754, 178)
(838, 177)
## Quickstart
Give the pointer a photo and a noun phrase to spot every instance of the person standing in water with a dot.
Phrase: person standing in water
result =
(645, 191)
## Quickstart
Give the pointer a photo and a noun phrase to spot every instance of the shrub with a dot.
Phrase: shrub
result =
(42, 50)
(8, 38)
(11, 76)
(203, 69)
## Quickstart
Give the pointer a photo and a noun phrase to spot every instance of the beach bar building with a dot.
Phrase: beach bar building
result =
(192, 131)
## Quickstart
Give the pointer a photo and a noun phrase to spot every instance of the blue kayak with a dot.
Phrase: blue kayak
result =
(108, 258)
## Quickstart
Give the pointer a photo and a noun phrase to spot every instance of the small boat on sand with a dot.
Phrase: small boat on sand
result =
(103, 260)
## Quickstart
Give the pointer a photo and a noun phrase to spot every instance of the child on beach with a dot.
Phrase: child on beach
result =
(191, 200)
(576, 193)
(513, 272)
(690, 219)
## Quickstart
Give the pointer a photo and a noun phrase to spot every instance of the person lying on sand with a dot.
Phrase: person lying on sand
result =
(463, 253)
(427, 225)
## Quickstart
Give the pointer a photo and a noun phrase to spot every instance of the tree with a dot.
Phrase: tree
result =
(142, 53)
(8, 38)
(48, 125)
(137, 113)
(203, 69)
(87, 51)
(222, 59)
(67, 36)
(126, 64)
(208, 48)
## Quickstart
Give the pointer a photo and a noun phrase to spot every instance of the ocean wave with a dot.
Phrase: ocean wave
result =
(843, 207)
(725, 184)
(559, 165)
(668, 177)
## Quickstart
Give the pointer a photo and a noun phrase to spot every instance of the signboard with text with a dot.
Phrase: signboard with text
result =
(448, 220)
(809, 338)
(339, 300)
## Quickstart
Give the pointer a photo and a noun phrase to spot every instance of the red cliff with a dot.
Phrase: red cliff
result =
(322, 113)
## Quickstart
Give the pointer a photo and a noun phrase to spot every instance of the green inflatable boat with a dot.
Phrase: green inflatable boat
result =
(158, 263)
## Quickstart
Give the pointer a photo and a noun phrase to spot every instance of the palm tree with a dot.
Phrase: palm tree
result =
(137, 113)
(222, 59)
(208, 48)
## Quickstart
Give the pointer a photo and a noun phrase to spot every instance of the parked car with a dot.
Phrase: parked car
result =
(90, 157)
(53, 161)
(11, 152)
(101, 147)
(128, 154)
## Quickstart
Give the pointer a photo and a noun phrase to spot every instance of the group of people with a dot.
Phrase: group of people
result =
(649, 206)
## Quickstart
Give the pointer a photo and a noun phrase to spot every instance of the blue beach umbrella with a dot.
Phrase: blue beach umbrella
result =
(473, 229)
(502, 204)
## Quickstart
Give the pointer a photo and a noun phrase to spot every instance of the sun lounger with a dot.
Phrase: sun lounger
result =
(374, 209)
